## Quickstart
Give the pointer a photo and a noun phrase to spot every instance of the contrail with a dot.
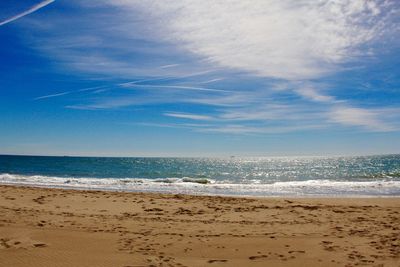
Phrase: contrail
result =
(27, 12)
(213, 80)
(169, 66)
(167, 78)
(54, 95)
(181, 87)
(70, 92)
(136, 84)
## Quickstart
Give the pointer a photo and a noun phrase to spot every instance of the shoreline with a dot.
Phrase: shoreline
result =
(303, 188)
(83, 189)
(67, 227)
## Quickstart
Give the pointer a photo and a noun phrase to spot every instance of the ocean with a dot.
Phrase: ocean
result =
(235, 176)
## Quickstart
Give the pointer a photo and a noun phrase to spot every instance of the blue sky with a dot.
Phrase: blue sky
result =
(199, 78)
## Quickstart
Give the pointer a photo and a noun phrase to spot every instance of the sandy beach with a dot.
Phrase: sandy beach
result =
(54, 227)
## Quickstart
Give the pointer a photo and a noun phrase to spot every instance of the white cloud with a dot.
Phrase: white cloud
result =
(188, 116)
(312, 94)
(297, 42)
(369, 119)
(169, 66)
(278, 38)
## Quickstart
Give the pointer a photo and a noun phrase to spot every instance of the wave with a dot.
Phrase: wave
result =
(72, 181)
(201, 186)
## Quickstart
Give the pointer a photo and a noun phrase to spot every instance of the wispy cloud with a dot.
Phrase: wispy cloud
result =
(27, 12)
(188, 116)
(52, 95)
(280, 38)
(312, 94)
(213, 80)
(293, 41)
(169, 66)
(190, 126)
(235, 129)
(181, 87)
(285, 50)
(284, 113)
(96, 89)
(243, 129)
(370, 119)
(166, 78)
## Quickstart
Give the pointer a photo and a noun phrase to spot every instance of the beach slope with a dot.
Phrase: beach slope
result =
(54, 227)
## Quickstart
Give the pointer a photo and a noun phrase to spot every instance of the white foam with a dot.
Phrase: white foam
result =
(196, 186)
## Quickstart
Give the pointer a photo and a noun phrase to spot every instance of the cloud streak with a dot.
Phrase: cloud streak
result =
(169, 66)
(188, 116)
(368, 119)
(194, 88)
(52, 95)
(27, 12)
(309, 92)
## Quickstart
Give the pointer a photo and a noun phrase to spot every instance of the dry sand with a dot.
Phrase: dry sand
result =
(53, 227)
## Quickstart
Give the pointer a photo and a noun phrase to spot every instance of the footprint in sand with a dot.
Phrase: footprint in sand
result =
(17, 243)
(213, 261)
(258, 257)
(39, 245)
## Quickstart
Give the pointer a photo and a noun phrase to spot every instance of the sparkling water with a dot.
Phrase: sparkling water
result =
(277, 176)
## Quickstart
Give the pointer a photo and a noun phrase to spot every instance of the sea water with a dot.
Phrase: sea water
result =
(256, 176)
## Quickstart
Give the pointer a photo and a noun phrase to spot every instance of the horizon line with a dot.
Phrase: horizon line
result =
(182, 156)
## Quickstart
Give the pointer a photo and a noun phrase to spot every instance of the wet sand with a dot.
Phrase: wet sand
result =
(54, 227)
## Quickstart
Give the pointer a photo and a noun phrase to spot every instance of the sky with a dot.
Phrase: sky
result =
(199, 78)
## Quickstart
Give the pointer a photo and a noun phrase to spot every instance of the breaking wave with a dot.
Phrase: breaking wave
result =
(202, 186)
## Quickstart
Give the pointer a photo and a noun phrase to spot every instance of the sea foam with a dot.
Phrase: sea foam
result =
(201, 186)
